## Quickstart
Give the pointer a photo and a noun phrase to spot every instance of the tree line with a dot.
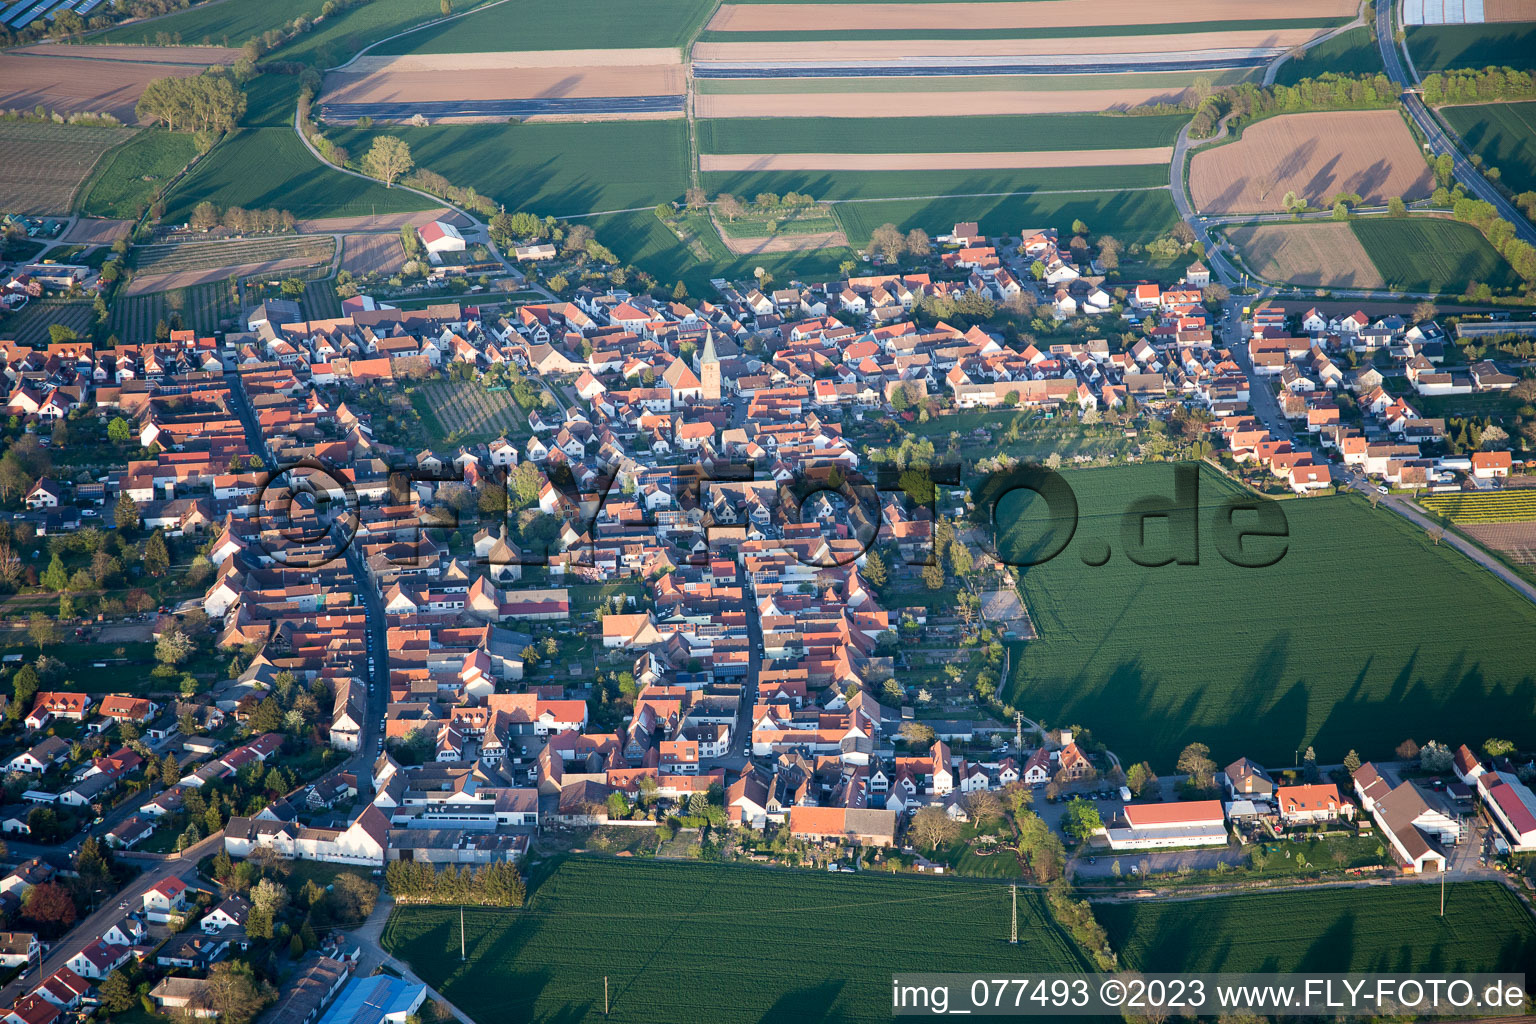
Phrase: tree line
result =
(1500, 234)
(210, 102)
(1248, 102)
(493, 885)
(1468, 85)
(206, 216)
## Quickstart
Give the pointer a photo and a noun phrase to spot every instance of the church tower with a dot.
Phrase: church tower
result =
(709, 369)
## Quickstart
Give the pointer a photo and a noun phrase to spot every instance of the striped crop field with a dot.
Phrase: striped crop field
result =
(1485, 506)
(466, 411)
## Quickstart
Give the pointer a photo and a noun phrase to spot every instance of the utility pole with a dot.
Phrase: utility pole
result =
(605, 995)
(1443, 869)
(1018, 733)
(461, 935)
(1013, 931)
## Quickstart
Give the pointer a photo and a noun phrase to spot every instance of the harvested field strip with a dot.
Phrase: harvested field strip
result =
(1485, 928)
(1515, 540)
(531, 25)
(1368, 152)
(1151, 32)
(794, 48)
(1517, 506)
(1072, 14)
(198, 57)
(416, 88)
(922, 104)
(46, 163)
(931, 161)
(29, 325)
(896, 184)
(512, 60)
(1316, 255)
(1166, 83)
(170, 258)
(938, 134)
(1432, 254)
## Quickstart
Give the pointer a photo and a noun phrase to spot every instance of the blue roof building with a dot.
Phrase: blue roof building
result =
(377, 1000)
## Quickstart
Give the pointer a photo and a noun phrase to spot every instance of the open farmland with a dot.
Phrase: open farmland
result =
(1432, 254)
(1510, 506)
(529, 25)
(90, 231)
(76, 84)
(980, 186)
(1000, 14)
(220, 24)
(372, 254)
(923, 99)
(1504, 135)
(1320, 255)
(184, 264)
(1485, 928)
(1131, 216)
(1516, 541)
(125, 182)
(1443, 47)
(989, 161)
(291, 180)
(202, 307)
(717, 943)
(29, 325)
(45, 163)
(1045, 133)
(460, 411)
(1348, 53)
(1204, 43)
(1262, 661)
(1367, 152)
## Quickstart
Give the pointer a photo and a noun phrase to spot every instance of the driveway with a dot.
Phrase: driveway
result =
(1155, 863)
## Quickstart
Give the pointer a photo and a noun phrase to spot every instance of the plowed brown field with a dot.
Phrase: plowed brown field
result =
(197, 56)
(922, 104)
(801, 51)
(74, 85)
(1509, 10)
(1369, 152)
(1030, 14)
(931, 161)
(1517, 540)
(93, 231)
(369, 254)
(1316, 255)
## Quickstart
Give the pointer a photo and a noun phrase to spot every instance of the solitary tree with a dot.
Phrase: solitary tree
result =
(888, 241)
(1195, 761)
(389, 158)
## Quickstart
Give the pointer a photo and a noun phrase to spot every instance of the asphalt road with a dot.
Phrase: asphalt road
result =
(508, 108)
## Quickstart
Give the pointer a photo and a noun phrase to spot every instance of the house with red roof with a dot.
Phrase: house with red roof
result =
(167, 899)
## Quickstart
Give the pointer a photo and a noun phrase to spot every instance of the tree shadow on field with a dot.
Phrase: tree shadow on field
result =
(809, 1005)
(1331, 949)
(1324, 182)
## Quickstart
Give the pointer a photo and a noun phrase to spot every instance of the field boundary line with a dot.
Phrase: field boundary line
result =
(415, 28)
(1273, 69)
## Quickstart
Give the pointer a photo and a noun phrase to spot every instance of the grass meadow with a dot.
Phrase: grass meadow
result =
(1504, 135)
(1397, 929)
(125, 181)
(730, 945)
(1361, 633)
(1432, 254)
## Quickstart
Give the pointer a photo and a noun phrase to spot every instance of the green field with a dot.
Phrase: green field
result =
(1485, 929)
(229, 23)
(1432, 254)
(1037, 32)
(125, 181)
(585, 24)
(1033, 132)
(705, 942)
(1130, 216)
(556, 169)
(1348, 53)
(1440, 47)
(1504, 135)
(342, 35)
(1171, 80)
(270, 100)
(289, 179)
(1264, 661)
(907, 184)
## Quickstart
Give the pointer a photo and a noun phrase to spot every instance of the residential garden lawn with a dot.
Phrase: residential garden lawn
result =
(963, 859)
(575, 24)
(1485, 928)
(551, 169)
(1504, 135)
(1432, 254)
(1129, 216)
(125, 673)
(466, 412)
(1440, 47)
(125, 181)
(586, 597)
(1036, 32)
(1348, 53)
(290, 179)
(1262, 662)
(220, 24)
(905, 184)
(719, 943)
(936, 134)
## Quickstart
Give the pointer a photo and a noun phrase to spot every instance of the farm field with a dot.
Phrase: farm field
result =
(291, 180)
(342, 35)
(46, 163)
(552, 169)
(1138, 216)
(398, 92)
(223, 24)
(1112, 43)
(938, 134)
(1032, 14)
(694, 931)
(528, 25)
(125, 181)
(1504, 135)
(647, 243)
(79, 84)
(1442, 47)
(986, 186)
(1485, 928)
(923, 98)
(457, 411)
(1431, 254)
(1509, 506)
(1516, 541)
(320, 300)
(1368, 152)
(949, 162)
(1288, 656)
(29, 325)
(1325, 255)
(174, 257)
(372, 254)
(1348, 53)
(203, 308)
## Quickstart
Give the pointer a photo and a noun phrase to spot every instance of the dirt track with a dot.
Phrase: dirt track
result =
(91, 231)
(1369, 152)
(196, 56)
(458, 62)
(930, 161)
(505, 83)
(922, 104)
(1029, 14)
(803, 51)
(71, 85)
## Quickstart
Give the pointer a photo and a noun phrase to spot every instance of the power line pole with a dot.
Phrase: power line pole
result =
(605, 995)
(1013, 931)
(1443, 868)
(461, 935)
